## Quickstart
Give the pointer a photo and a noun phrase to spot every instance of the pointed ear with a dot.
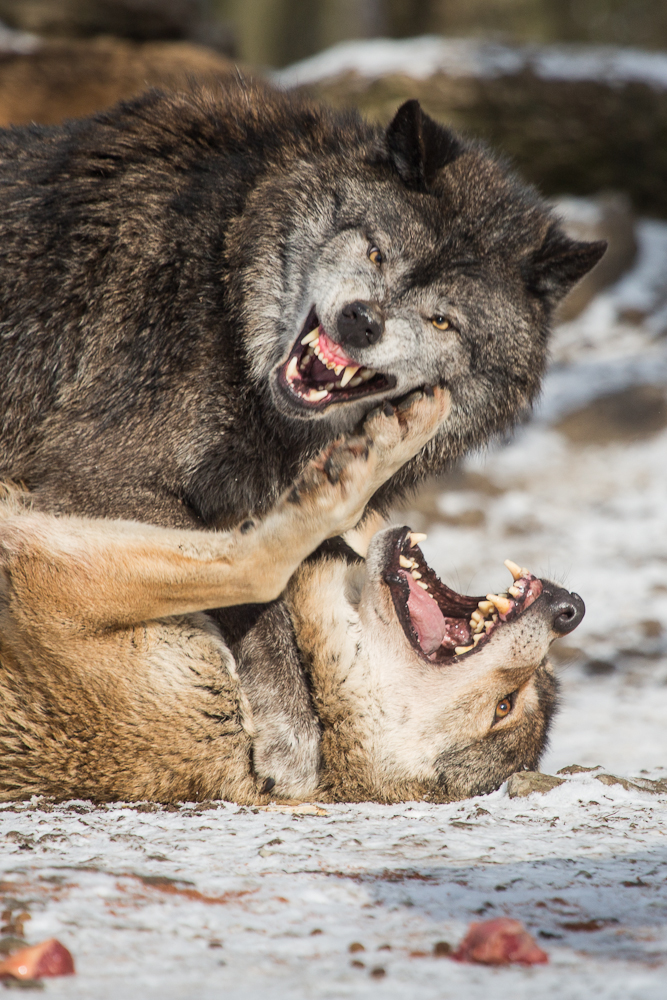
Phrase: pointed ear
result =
(418, 146)
(560, 263)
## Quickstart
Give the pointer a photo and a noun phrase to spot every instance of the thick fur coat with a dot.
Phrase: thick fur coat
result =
(159, 261)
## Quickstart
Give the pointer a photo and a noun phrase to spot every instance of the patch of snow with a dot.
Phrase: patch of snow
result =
(422, 57)
(220, 900)
(14, 42)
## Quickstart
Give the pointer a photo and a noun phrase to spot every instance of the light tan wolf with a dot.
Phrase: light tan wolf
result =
(114, 686)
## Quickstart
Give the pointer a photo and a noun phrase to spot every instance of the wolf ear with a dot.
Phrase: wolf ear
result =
(418, 146)
(560, 262)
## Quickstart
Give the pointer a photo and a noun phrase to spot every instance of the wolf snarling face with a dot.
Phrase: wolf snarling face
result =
(412, 260)
(423, 692)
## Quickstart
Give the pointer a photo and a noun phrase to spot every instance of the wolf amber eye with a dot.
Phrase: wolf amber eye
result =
(503, 708)
(440, 322)
(375, 255)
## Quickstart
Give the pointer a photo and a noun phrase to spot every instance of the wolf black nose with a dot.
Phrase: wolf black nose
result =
(567, 610)
(359, 325)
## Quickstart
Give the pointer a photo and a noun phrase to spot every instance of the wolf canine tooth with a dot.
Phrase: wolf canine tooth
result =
(405, 562)
(416, 537)
(311, 337)
(513, 568)
(350, 372)
(503, 604)
(463, 649)
(293, 368)
(315, 395)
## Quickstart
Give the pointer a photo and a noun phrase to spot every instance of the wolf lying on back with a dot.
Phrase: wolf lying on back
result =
(113, 686)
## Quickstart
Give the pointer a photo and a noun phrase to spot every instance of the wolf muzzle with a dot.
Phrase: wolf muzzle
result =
(360, 324)
(567, 610)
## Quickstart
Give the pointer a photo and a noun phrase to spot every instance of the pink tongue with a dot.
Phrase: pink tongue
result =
(426, 616)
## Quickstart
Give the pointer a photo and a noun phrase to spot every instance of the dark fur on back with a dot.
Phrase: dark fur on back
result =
(131, 245)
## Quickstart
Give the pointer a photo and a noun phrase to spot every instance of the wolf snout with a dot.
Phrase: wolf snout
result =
(567, 610)
(360, 324)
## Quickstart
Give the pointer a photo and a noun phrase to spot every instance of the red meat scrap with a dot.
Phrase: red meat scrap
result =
(499, 942)
(49, 958)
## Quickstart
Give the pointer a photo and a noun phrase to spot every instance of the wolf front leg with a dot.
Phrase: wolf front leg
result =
(68, 574)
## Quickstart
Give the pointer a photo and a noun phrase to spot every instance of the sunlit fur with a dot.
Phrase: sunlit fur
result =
(115, 687)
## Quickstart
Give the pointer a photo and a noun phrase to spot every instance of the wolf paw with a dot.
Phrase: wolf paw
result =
(335, 487)
(399, 432)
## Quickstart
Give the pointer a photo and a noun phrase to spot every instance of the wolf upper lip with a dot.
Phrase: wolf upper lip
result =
(439, 622)
(319, 371)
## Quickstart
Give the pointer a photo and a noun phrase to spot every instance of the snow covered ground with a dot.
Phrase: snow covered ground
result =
(210, 900)
(419, 58)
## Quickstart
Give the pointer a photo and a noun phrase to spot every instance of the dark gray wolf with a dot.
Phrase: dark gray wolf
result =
(183, 277)
(114, 685)
(199, 292)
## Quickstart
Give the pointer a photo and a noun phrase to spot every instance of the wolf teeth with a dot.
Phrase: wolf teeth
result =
(329, 386)
(514, 591)
(350, 372)
(311, 338)
(405, 562)
(416, 575)
(338, 369)
(355, 382)
(513, 568)
(420, 583)
(516, 571)
(293, 368)
(463, 649)
(315, 395)
(476, 638)
(416, 537)
(367, 373)
(485, 607)
(503, 604)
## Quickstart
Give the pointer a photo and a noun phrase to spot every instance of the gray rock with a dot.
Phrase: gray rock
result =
(577, 769)
(526, 782)
(634, 784)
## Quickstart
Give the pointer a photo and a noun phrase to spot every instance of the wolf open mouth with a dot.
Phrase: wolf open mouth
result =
(440, 623)
(319, 372)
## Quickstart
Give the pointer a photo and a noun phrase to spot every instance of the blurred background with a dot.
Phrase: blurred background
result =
(278, 32)
(574, 92)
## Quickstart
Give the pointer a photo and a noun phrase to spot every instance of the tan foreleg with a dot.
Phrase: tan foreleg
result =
(66, 574)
